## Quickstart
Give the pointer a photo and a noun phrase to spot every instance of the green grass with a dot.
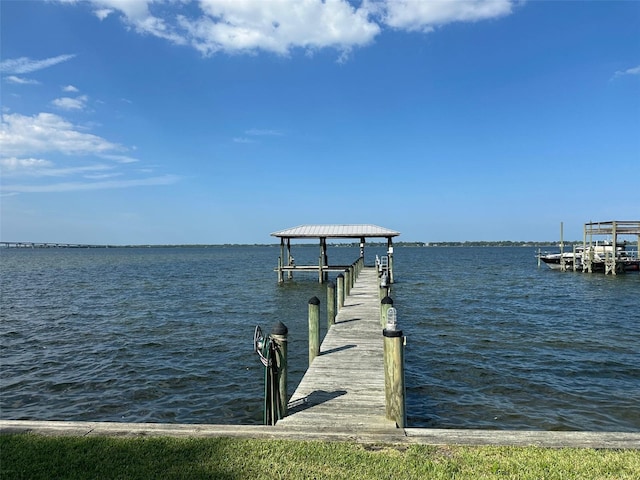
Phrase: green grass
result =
(28, 456)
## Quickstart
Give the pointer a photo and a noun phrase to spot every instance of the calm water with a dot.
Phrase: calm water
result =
(165, 335)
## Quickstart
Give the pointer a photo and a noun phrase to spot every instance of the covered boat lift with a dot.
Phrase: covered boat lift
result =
(322, 232)
(613, 229)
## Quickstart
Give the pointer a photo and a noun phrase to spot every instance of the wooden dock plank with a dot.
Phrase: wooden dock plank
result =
(344, 386)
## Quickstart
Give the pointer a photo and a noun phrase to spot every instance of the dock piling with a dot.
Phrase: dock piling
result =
(331, 304)
(279, 334)
(394, 371)
(340, 293)
(314, 328)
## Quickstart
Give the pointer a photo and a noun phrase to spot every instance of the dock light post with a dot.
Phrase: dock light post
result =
(394, 385)
(385, 304)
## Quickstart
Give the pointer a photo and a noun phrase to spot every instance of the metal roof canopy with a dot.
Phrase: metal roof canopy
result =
(621, 227)
(336, 231)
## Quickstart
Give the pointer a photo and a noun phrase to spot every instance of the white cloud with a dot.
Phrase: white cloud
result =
(21, 80)
(68, 103)
(22, 135)
(25, 139)
(70, 89)
(27, 65)
(279, 26)
(628, 71)
(103, 13)
(20, 166)
(423, 16)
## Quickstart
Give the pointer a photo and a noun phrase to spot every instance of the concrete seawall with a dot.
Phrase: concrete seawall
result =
(613, 440)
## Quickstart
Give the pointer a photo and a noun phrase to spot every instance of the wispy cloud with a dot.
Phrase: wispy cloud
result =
(269, 133)
(251, 134)
(68, 103)
(84, 186)
(27, 65)
(21, 80)
(23, 135)
(44, 146)
(119, 158)
(628, 71)
(70, 89)
(36, 167)
(243, 140)
(22, 166)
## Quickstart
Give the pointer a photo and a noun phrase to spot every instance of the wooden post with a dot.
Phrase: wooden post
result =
(289, 259)
(340, 279)
(394, 386)
(280, 261)
(314, 328)
(331, 304)
(390, 261)
(347, 282)
(352, 277)
(279, 334)
(385, 304)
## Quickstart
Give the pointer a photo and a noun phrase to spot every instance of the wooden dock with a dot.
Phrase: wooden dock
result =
(344, 388)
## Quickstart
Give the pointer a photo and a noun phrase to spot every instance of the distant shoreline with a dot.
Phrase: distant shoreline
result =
(502, 243)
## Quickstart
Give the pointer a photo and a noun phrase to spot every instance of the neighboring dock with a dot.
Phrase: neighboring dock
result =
(608, 256)
(344, 387)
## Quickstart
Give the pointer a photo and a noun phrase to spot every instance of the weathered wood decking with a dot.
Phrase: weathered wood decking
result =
(344, 386)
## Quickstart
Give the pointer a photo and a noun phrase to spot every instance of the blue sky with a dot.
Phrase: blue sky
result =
(144, 122)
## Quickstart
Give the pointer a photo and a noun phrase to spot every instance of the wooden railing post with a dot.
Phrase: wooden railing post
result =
(314, 328)
(347, 283)
(340, 280)
(331, 304)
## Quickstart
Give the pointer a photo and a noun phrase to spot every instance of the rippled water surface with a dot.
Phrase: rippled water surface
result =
(165, 335)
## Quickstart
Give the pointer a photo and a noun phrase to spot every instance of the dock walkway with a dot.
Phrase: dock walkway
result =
(344, 386)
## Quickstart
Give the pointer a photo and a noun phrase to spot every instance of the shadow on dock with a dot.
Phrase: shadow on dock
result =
(338, 349)
(314, 398)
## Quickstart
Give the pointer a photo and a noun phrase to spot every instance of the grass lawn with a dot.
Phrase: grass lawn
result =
(28, 456)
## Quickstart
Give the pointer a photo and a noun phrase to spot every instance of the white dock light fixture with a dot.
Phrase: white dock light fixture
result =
(392, 321)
